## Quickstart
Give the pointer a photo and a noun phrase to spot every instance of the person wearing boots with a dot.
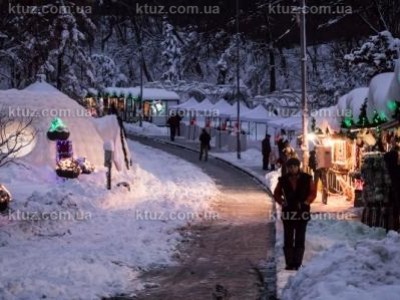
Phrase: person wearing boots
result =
(294, 192)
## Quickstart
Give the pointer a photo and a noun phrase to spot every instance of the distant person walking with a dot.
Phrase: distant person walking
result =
(320, 173)
(173, 122)
(205, 139)
(266, 151)
(295, 192)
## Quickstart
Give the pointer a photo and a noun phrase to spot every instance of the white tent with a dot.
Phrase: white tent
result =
(243, 110)
(203, 106)
(148, 93)
(222, 106)
(192, 102)
(258, 114)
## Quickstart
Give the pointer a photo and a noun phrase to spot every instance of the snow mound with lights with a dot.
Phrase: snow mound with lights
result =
(43, 102)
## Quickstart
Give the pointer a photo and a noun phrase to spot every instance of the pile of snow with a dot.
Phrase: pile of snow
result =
(358, 267)
(74, 239)
(42, 102)
(146, 129)
(383, 88)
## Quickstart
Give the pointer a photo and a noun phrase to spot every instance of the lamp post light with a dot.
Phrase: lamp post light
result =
(141, 87)
(237, 83)
(304, 145)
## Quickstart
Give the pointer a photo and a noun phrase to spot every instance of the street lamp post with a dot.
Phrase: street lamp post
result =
(237, 82)
(304, 145)
(141, 88)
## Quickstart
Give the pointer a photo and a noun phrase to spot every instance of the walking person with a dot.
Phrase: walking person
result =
(172, 123)
(205, 139)
(294, 192)
(320, 173)
(266, 151)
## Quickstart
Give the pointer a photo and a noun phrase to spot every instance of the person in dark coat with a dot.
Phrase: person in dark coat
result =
(392, 160)
(205, 139)
(294, 192)
(319, 174)
(173, 123)
(266, 151)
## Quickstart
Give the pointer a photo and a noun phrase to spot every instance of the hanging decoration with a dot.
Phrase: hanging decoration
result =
(64, 150)
(378, 118)
(68, 168)
(394, 106)
(58, 130)
(85, 165)
(348, 122)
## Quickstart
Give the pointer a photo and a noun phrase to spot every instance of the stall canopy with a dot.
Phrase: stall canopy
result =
(203, 106)
(258, 115)
(192, 102)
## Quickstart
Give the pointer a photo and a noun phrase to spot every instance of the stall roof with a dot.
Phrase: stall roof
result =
(186, 105)
(259, 115)
(148, 93)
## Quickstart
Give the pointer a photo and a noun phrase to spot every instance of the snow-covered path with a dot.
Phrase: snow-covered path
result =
(76, 240)
(228, 250)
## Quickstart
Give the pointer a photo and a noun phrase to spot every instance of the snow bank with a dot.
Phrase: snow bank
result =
(74, 239)
(42, 102)
(146, 129)
(363, 269)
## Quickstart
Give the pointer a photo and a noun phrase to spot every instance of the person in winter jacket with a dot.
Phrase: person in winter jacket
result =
(205, 139)
(392, 160)
(173, 123)
(266, 151)
(295, 192)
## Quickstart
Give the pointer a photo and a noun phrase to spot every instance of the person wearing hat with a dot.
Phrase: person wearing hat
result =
(266, 151)
(294, 192)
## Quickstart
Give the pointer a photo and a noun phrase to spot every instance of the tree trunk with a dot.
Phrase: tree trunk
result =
(139, 42)
(59, 70)
(284, 67)
(272, 70)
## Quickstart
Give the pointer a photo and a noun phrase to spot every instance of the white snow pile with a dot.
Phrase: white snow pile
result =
(383, 88)
(42, 102)
(146, 129)
(368, 270)
(74, 239)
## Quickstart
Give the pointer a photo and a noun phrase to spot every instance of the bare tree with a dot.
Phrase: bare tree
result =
(16, 133)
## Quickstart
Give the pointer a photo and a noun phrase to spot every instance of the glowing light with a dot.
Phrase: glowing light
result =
(392, 105)
(57, 125)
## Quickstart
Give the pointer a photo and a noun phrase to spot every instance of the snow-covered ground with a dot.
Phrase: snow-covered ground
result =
(75, 239)
(344, 258)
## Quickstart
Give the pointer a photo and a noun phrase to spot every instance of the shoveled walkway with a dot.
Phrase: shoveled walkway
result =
(224, 258)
